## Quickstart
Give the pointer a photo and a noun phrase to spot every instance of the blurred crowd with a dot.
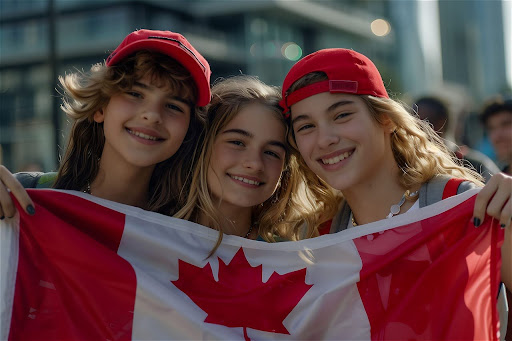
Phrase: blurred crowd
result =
(493, 153)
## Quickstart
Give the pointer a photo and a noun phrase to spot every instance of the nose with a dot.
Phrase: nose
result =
(152, 113)
(327, 136)
(253, 160)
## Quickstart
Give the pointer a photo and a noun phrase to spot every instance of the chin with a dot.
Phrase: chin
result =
(245, 203)
(339, 185)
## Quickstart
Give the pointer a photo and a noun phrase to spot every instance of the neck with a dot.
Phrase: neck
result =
(125, 186)
(372, 200)
(235, 220)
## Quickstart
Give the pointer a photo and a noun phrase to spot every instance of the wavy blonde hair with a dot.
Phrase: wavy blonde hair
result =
(86, 93)
(279, 214)
(418, 151)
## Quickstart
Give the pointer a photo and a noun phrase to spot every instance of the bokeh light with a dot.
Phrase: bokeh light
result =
(291, 51)
(380, 27)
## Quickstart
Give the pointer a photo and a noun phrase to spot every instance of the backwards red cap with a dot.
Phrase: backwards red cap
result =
(175, 46)
(348, 72)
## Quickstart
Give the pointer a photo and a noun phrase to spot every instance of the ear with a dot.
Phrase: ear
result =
(99, 116)
(388, 124)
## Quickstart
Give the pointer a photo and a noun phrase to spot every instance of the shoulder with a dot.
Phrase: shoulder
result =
(36, 179)
(341, 219)
(434, 190)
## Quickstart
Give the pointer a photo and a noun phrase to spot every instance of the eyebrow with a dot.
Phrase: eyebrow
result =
(339, 104)
(150, 87)
(332, 107)
(248, 134)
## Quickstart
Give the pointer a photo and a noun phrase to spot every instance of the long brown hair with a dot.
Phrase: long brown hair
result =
(417, 149)
(85, 93)
(277, 216)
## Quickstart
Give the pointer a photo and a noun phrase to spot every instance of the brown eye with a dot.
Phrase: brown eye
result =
(273, 154)
(134, 94)
(175, 107)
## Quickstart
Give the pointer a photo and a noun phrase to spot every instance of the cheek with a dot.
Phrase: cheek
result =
(304, 144)
(178, 129)
(213, 182)
(274, 169)
(493, 135)
(108, 127)
(508, 132)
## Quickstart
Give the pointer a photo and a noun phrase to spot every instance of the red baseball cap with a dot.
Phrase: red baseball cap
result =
(348, 72)
(175, 46)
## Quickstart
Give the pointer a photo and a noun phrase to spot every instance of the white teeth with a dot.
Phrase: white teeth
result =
(142, 135)
(247, 181)
(336, 159)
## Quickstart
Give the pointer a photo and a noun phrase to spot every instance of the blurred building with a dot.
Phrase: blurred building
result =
(473, 46)
(41, 39)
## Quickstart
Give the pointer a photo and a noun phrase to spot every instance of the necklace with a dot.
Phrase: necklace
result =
(394, 209)
(87, 188)
(250, 230)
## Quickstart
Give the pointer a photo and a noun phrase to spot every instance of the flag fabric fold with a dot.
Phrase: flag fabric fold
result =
(84, 268)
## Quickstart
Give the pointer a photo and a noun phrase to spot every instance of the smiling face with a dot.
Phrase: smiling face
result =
(341, 142)
(143, 126)
(247, 157)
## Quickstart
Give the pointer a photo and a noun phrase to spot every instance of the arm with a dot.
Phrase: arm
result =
(8, 183)
(495, 199)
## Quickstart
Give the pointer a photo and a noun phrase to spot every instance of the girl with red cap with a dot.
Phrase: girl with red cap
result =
(366, 157)
(135, 126)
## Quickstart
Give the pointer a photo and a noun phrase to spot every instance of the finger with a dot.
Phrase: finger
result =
(10, 182)
(506, 215)
(6, 203)
(484, 197)
(498, 200)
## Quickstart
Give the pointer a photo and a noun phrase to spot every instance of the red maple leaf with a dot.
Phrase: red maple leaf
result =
(240, 298)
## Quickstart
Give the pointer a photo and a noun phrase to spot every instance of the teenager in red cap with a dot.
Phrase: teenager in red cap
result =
(383, 161)
(135, 126)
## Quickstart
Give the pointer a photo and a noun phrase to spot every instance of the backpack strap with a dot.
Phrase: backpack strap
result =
(450, 189)
(325, 227)
(36, 179)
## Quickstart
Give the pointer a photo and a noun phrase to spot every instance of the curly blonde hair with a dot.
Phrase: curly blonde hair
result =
(86, 93)
(418, 151)
(279, 214)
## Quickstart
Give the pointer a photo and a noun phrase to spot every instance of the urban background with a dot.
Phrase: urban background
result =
(459, 50)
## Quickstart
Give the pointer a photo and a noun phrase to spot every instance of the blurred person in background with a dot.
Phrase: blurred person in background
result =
(435, 111)
(33, 166)
(496, 117)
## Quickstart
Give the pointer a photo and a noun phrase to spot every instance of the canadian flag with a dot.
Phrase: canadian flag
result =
(84, 268)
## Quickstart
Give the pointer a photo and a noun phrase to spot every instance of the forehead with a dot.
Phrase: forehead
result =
(500, 117)
(151, 82)
(155, 80)
(260, 121)
(322, 102)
